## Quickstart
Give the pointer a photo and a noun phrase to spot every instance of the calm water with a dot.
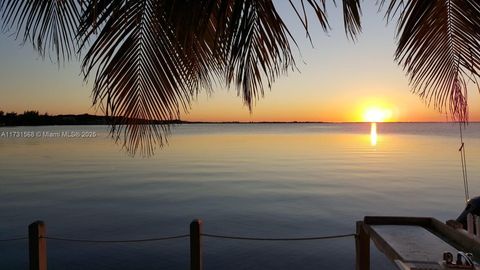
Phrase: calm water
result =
(267, 180)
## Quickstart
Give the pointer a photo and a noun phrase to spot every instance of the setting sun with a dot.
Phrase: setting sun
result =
(377, 115)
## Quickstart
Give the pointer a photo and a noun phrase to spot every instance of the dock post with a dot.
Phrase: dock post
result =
(37, 246)
(196, 245)
(362, 248)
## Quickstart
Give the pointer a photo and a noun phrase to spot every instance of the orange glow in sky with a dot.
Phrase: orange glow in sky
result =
(375, 110)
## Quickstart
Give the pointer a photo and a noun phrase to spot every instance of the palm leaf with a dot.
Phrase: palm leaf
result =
(439, 48)
(352, 12)
(259, 48)
(50, 25)
(238, 42)
(150, 64)
(140, 72)
(351, 15)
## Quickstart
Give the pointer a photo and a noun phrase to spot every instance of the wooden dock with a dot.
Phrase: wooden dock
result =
(415, 243)
(411, 243)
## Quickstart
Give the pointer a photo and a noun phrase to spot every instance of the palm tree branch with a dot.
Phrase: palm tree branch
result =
(50, 25)
(438, 46)
(140, 73)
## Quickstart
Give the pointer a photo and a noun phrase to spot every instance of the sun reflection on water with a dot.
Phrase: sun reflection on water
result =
(373, 134)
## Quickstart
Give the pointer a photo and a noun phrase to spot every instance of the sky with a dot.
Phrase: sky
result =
(339, 80)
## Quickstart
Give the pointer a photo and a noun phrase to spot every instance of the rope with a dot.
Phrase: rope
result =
(464, 164)
(117, 241)
(279, 239)
(186, 236)
(13, 239)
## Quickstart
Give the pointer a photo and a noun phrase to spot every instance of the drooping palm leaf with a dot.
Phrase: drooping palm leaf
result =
(140, 72)
(50, 25)
(259, 50)
(439, 47)
(320, 11)
(239, 42)
(352, 12)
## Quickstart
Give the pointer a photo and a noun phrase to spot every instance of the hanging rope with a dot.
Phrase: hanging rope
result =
(117, 241)
(279, 239)
(325, 237)
(13, 239)
(464, 164)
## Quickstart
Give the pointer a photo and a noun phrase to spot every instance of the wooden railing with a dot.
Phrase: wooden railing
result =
(37, 242)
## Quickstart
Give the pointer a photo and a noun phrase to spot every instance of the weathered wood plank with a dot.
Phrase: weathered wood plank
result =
(395, 220)
(419, 242)
(413, 243)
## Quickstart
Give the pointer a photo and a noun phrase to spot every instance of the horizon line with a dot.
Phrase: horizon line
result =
(258, 122)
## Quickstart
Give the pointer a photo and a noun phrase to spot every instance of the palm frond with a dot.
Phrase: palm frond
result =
(352, 13)
(320, 11)
(199, 27)
(259, 50)
(438, 46)
(149, 64)
(239, 42)
(140, 72)
(50, 25)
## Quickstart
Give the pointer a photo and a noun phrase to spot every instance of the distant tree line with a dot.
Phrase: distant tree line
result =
(34, 118)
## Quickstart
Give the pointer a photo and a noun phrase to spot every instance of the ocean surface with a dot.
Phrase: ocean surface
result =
(252, 180)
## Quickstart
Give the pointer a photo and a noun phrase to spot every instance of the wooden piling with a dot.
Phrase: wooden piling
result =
(37, 246)
(362, 248)
(196, 245)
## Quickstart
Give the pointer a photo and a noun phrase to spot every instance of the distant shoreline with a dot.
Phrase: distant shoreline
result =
(33, 118)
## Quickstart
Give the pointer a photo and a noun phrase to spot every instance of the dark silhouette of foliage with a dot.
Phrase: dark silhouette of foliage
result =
(29, 117)
(33, 118)
(439, 48)
(9, 118)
